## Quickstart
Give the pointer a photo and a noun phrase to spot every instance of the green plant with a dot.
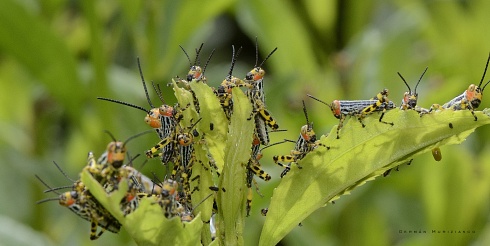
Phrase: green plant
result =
(360, 155)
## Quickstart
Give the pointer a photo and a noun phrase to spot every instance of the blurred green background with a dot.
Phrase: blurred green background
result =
(56, 57)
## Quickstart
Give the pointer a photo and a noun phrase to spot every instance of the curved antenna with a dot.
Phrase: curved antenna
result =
(63, 172)
(45, 184)
(312, 97)
(257, 54)
(486, 66)
(124, 103)
(143, 164)
(279, 130)
(135, 136)
(272, 52)
(188, 58)
(233, 60)
(485, 86)
(306, 113)
(415, 90)
(256, 51)
(144, 84)
(237, 53)
(156, 179)
(270, 145)
(209, 58)
(485, 71)
(131, 159)
(110, 134)
(193, 125)
(198, 51)
(47, 200)
(158, 91)
(203, 200)
(404, 81)
(58, 188)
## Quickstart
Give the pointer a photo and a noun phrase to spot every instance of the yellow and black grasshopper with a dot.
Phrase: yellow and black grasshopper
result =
(360, 108)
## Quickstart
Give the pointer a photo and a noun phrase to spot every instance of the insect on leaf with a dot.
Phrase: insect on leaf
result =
(148, 226)
(212, 113)
(108, 201)
(360, 155)
(231, 202)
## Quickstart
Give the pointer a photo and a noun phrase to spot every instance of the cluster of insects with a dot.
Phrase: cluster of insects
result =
(184, 133)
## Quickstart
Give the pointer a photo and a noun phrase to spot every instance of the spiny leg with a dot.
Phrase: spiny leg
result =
(93, 230)
(381, 118)
(257, 170)
(339, 126)
(151, 153)
(268, 119)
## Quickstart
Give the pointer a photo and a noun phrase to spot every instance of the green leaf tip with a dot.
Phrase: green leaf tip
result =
(360, 155)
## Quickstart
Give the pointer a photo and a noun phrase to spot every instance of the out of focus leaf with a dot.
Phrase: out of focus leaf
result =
(32, 43)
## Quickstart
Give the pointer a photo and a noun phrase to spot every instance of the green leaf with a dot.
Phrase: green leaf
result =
(186, 102)
(360, 155)
(22, 35)
(108, 201)
(147, 225)
(212, 113)
(231, 201)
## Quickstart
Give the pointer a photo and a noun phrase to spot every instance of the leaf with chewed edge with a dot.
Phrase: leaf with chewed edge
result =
(360, 155)
(212, 113)
(108, 201)
(147, 225)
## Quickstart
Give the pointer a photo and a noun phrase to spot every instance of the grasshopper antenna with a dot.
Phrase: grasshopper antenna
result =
(312, 97)
(484, 72)
(415, 90)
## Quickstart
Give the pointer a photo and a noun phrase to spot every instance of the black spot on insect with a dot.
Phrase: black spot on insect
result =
(211, 126)
(450, 125)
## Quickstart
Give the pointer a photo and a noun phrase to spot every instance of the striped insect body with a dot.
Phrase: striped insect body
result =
(470, 99)
(359, 108)
(306, 143)
(223, 92)
(254, 169)
(256, 95)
